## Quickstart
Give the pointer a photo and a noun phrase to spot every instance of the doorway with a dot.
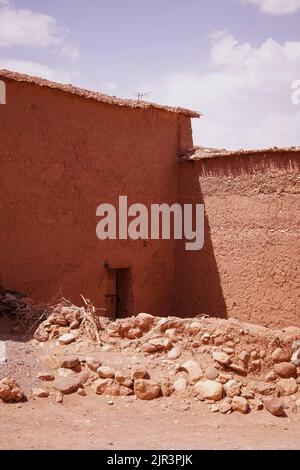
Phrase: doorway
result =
(118, 294)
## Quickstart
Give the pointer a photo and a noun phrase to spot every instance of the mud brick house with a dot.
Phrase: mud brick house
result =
(65, 150)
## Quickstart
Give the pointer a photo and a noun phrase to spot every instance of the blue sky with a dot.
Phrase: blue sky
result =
(234, 60)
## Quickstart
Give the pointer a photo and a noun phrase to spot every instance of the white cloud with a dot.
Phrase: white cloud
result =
(71, 51)
(275, 7)
(38, 70)
(19, 27)
(27, 28)
(245, 96)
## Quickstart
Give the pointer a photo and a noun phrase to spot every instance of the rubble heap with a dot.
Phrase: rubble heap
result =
(232, 367)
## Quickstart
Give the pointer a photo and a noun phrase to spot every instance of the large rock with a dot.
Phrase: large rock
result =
(232, 388)
(209, 389)
(146, 389)
(10, 391)
(280, 355)
(287, 386)
(285, 369)
(240, 404)
(70, 384)
(221, 358)
(193, 369)
(274, 406)
(111, 387)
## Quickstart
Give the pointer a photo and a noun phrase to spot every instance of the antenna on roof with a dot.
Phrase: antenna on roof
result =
(142, 94)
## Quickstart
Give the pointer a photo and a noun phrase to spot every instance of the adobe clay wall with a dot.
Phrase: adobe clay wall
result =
(249, 267)
(62, 155)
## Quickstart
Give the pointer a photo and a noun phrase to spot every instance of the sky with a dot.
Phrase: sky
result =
(233, 60)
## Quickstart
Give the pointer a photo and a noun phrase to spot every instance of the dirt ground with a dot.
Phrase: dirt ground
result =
(93, 422)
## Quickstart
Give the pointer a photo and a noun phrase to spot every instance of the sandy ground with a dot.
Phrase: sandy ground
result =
(91, 423)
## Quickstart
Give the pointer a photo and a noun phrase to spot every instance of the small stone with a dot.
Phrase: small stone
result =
(238, 369)
(59, 398)
(180, 385)
(166, 388)
(145, 320)
(280, 355)
(270, 376)
(41, 334)
(274, 406)
(205, 338)
(262, 388)
(67, 338)
(123, 378)
(211, 373)
(106, 372)
(157, 344)
(193, 369)
(256, 404)
(10, 391)
(244, 356)
(193, 328)
(146, 389)
(110, 402)
(93, 363)
(209, 389)
(223, 378)
(81, 392)
(40, 393)
(228, 350)
(139, 372)
(287, 386)
(46, 376)
(295, 359)
(221, 358)
(285, 369)
(174, 353)
(214, 408)
(240, 404)
(70, 362)
(224, 407)
(111, 387)
(232, 388)
(246, 393)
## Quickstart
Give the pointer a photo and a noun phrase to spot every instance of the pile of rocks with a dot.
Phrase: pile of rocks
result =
(226, 364)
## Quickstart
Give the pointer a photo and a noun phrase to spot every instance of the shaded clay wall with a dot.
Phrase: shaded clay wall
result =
(249, 267)
(60, 157)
